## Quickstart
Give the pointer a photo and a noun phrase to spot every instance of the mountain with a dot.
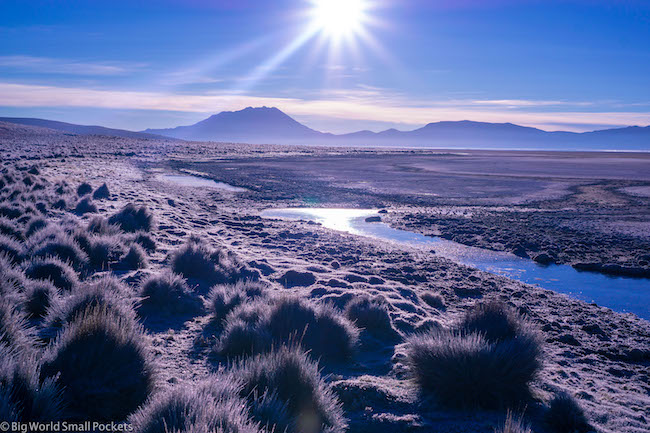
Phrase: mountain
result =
(270, 125)
(71, 128)
(251, 125)
(267, 125)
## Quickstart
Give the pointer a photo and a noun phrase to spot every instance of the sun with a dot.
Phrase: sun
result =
(339, 18)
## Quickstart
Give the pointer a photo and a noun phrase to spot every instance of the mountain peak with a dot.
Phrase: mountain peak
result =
(252, 124)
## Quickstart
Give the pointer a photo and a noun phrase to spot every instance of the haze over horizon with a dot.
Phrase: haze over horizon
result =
(371, 65)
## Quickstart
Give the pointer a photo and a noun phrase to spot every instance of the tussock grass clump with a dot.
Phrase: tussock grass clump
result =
(213, 405)
(34, 225)
(61, 245)
(434, 300)
(135, 258)
(12, 279)
(23, 395)
(495, 321)
(40, 297)
(107, 293)
(12, 249)
(11, 212)
(100, 225)
(479, 364)
(167, 293)
(223, 298)
(319, 328)
(564, 415)
(244, 333)
(84, 189)
(54, 270)
(256, 327)
(199, 261)
(84, 206)
(287, 379)
(102, 362)
(514, 425)
(101, 193)
(14, 331)
(10, 229)
(371, 314)
(60, 204)
(146, 241)
(133, 219)
(103, 250)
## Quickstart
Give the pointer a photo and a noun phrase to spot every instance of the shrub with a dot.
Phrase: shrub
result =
(466, 370)
(102, 192)
(135, 258)
(11, 249)
(225, 297)
(83, 189)
(213, 405)
(371, 314)
(564, 415)
(289, 380)
(40, 297)
(514, 425)
(64, 247)
(102, 362)
(494, 320)
(133, 219)
(167, 293)
(434, 300)
(84, 206)
(14, 332)
(54, 270)
(23, 396)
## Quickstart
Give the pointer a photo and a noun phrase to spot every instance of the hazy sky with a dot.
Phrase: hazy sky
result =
(573, 65)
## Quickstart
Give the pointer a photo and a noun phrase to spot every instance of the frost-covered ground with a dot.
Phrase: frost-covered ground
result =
(600, 357)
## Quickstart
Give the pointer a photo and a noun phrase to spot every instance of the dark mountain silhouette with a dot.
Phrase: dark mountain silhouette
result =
(71, 128)
(251, 125)
(270, 125)
(266, 125)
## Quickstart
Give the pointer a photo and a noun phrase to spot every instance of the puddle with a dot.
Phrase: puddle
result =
(623, 294)
(199, 182)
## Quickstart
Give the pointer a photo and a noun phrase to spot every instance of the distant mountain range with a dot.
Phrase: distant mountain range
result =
(264, 125)
(270, 125)
(71, 128)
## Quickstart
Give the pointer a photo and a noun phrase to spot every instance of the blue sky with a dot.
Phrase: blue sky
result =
(569, 65)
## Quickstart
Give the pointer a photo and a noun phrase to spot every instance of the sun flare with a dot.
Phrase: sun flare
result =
(339, 18)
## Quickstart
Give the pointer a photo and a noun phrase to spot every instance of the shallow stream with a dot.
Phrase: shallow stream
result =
(623, 294)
